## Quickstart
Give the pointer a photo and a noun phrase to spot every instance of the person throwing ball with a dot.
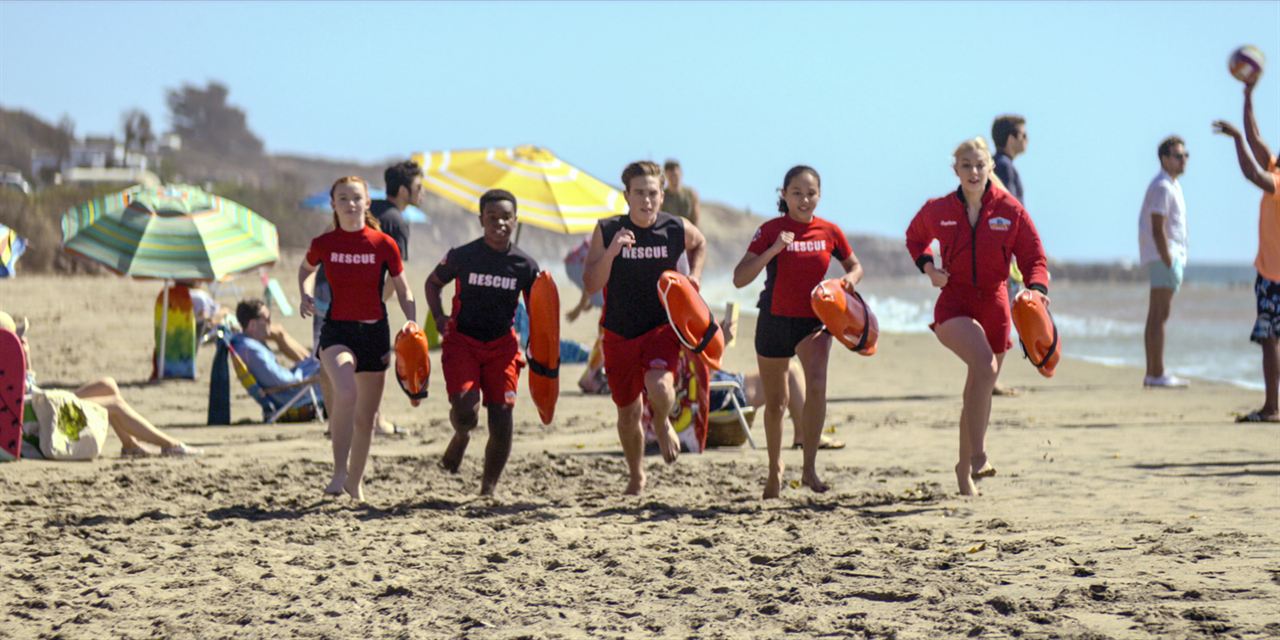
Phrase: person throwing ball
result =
(627, 255)
(480, 352)
(980, 229)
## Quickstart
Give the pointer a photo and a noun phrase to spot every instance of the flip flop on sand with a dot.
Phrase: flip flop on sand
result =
(1257, 416)
(824, 443)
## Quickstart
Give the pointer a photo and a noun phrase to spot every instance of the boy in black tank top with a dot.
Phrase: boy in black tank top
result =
(480, 352)
(641, 351)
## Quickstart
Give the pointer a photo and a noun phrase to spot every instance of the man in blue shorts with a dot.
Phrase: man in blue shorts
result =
(1162, 243)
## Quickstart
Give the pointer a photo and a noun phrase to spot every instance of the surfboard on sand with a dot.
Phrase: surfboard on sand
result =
(13, 381)
(275, 293)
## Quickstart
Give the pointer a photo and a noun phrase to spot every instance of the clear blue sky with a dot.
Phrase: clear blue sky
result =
(874, 95)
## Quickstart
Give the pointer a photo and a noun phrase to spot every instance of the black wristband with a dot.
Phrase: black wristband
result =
(923, 260)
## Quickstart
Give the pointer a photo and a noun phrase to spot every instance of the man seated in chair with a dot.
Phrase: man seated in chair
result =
(251, 345)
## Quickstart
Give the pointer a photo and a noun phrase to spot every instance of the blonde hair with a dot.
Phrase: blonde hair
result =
(977, 145)
(369, 220)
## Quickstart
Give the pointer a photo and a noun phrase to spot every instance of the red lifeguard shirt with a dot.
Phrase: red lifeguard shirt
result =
(978, 255)
(356, 263)
(791, 275)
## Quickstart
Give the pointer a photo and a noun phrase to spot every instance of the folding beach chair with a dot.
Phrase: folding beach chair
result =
(731, 410)
(302, 406)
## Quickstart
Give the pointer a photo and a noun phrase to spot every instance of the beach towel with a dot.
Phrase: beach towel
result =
(179, 334)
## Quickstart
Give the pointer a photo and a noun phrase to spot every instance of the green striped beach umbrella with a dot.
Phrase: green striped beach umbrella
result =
(173, 232)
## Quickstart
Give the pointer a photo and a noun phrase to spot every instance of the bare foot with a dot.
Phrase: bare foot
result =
(453, 453)
(810, 479)
(965, 483)
(981, 467)
(336, 485)
(356, 492)
(669, 444)
(773, 484)
(635, 486)
(486, 489)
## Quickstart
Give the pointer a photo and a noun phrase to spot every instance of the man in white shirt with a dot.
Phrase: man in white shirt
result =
(1162, 245)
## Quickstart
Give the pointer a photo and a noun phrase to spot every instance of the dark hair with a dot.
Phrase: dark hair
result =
(248, 311)
(399, 175)
(1005, 126)
(497, 195)
(642, 168)
(670, 164)
(786, 180)
(1168, 144)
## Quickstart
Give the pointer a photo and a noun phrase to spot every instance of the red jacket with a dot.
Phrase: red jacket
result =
(979, 255)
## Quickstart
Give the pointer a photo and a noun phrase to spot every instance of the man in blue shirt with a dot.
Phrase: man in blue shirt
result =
(1009, 135)
(251, 345)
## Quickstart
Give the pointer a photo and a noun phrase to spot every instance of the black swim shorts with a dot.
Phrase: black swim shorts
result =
(370, 342)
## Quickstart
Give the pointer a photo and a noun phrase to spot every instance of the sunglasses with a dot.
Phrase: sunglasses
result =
(1179, 156)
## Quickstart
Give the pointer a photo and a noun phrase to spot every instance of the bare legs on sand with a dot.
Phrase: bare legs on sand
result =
(356, 397)
(464, 415)
(128, 424)
(965, 337)
(660, 385)
(813, 352)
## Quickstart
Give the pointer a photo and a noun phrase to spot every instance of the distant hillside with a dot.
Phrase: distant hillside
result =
(21, 132)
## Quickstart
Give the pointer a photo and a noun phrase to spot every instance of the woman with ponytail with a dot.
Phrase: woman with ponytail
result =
(355, 341)
(794, 250)
(980, 229)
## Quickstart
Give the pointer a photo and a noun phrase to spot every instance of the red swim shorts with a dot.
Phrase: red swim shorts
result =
(989, 307)
(492, 366)
(627, 361)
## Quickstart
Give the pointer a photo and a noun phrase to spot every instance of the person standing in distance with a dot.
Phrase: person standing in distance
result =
(679, 198)
(1162, 245)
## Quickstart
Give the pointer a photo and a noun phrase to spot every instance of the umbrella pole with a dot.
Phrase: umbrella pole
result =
(164, 332)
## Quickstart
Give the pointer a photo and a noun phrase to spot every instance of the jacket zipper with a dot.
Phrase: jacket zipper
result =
(973, 243)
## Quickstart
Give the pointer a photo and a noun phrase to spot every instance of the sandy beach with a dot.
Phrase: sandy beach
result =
(1117, 512)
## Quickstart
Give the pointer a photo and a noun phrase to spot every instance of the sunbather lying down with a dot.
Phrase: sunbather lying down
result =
(130, 426)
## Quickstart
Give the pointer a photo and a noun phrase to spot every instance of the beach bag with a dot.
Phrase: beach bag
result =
(70, 428)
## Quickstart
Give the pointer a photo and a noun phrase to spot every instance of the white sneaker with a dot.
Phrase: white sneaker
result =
(181, 451)
(1166, 380)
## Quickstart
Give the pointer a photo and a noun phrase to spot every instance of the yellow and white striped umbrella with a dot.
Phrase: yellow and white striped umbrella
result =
(552, 194)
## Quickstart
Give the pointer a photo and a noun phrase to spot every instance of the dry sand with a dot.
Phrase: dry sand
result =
(1118, 512)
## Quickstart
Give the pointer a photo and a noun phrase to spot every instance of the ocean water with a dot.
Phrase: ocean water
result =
(1207, 335)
